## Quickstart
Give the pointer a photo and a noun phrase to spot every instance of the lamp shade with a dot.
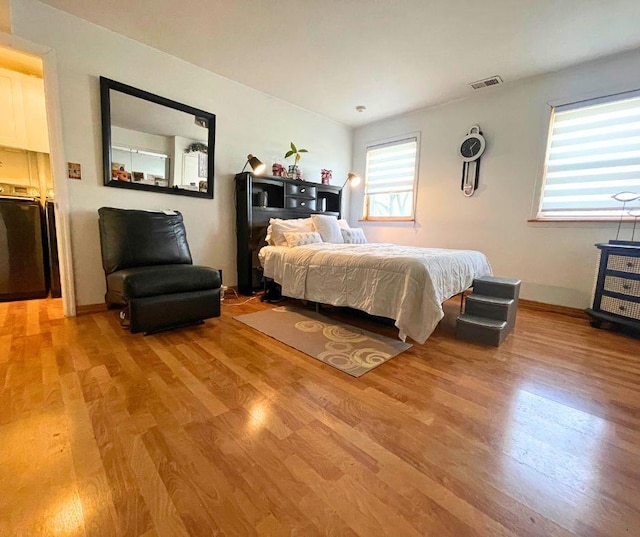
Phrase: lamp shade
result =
(353, 179)
(256, 164)
(625, 197)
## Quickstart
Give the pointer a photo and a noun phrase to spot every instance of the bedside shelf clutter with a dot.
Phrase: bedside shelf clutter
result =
(617, 292)
(261, 197)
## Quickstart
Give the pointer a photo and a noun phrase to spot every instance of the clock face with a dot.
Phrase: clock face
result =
(472, 147)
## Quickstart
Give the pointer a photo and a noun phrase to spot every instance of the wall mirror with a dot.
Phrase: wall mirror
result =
(153, 143)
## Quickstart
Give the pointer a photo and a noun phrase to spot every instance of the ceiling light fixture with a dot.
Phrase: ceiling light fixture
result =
(361, 108)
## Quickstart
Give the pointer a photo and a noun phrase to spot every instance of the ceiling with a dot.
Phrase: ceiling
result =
(392, 56)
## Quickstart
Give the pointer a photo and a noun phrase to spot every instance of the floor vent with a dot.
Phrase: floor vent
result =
(493, 81)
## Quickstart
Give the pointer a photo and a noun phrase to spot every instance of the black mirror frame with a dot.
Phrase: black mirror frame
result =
(107, 84)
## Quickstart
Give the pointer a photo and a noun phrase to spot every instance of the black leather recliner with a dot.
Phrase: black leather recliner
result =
(149, 271)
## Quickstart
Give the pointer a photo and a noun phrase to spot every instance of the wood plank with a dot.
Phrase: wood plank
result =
(219, 429)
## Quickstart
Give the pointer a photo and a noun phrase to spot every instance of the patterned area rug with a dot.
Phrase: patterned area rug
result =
(347, 348)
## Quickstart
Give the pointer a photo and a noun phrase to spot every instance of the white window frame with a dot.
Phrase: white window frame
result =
(414, 192)
(587, 214)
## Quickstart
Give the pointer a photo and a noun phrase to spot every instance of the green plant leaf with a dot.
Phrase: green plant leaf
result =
(293, 148)
(288, 154)
(302, 151)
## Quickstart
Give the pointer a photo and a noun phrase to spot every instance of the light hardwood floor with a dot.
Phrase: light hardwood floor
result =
(219, 430)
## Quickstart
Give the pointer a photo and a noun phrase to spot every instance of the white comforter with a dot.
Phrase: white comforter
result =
(404, 283)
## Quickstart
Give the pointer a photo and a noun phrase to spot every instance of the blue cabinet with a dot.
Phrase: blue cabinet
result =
(617, 292)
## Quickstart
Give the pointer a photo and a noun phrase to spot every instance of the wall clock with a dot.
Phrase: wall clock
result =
(471, 149)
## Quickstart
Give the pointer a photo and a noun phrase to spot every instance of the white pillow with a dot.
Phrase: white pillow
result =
(297, 238)
(278, 226)
(354, 235)
(328, 228)
(343, 224)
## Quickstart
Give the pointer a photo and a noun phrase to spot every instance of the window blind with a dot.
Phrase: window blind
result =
(390, 178)
(593, 153)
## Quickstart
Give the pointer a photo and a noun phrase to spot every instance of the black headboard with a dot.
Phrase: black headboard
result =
(260, 198)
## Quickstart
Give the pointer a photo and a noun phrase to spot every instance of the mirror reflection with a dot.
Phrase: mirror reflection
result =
(152, 143)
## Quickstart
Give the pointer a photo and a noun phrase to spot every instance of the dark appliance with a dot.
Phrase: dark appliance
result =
(52, 248)
(22, 260)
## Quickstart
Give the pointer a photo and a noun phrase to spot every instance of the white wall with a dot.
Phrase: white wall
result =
(247, 121)
(555, 261)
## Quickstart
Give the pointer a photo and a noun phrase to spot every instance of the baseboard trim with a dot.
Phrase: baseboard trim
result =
(553, 308)
(86, 309)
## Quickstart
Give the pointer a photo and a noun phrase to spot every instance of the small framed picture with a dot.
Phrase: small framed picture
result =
(157, 180)
(119, 173)
(75, 170)
(138, 176)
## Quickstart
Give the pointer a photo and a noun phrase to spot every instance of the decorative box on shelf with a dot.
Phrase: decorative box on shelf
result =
(617, 291)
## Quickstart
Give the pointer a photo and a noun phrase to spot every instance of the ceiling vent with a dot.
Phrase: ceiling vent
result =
(493, 81)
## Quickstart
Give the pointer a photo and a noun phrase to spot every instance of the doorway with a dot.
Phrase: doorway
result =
(35, 258)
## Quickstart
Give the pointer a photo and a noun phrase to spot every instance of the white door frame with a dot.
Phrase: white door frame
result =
(58, 162)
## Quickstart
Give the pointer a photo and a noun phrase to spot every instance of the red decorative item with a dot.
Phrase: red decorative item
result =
(278, 170)
(326, 176)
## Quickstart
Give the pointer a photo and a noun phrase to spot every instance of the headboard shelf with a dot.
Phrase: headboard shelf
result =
(261, 197)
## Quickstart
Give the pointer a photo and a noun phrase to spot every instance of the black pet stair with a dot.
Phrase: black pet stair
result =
(490, 311)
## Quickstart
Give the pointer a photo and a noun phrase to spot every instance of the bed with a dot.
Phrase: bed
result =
(404, 283)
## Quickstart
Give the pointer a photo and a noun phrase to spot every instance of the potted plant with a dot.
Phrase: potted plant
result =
(294, 171)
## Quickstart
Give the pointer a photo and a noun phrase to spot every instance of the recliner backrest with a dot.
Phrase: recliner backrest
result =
(133, 238)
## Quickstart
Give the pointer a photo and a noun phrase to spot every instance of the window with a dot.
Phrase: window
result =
(592, 154)
(390, 179)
